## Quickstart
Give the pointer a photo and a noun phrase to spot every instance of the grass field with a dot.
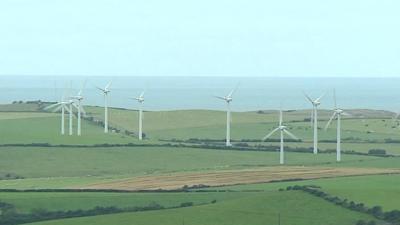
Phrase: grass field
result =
(52, 201)
(382, 190)
(263, 208)
(185, 124)
(57, 166)
(174, 167)
(27, 128)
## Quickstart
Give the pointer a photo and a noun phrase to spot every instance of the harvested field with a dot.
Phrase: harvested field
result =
(233, 177)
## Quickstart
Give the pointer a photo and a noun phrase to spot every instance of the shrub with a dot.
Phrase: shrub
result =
(186, 204)
(377, 152)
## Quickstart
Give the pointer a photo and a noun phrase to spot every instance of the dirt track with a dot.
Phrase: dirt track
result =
(232, 177)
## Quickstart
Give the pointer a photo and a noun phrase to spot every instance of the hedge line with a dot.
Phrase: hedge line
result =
(392, 217)
(10, 216)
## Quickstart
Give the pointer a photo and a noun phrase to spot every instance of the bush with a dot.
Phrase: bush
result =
(186, 204)
(361, 222)
(377, 152)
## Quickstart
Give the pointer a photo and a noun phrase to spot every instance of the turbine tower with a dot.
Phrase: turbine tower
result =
(71, 104)
(79, 98)
(314, 118)
(140, 99)
(337, 113)
(56, 107)
(106, 91)
(283, 130)
(228, 99)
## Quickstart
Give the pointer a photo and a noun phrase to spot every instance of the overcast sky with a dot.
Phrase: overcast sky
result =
(207, 37)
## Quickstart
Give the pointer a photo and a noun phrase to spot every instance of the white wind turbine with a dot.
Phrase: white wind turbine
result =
(282, 129)
(140, 99)
(56, 107)
(314, 118)
(79, 98)
(228, 99)
(106, 91)
(337, 113)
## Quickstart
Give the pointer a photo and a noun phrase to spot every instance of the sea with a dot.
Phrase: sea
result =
(175, 93)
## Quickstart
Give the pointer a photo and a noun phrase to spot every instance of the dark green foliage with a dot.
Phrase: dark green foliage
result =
(10, 216)
(186, 204)
(377, 152)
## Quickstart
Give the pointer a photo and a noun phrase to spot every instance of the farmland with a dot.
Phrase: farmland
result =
(253, 210)
(183, 152)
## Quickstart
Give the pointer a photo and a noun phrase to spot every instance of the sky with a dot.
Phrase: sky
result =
(200, 38)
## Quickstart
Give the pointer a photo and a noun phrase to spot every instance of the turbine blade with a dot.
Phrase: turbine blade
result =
(58, 108)
(108, 85)
(51, 106)
(270, 134)
(66, 108)
(83, 87)
(141, 95)
(74, 105)
(346, 114)
(334, 98)
(330, 120)
(320, 97)
(291, 135)
(101, 89)
(219, 97)
(308, 98)
(233, 91)
(280, 118)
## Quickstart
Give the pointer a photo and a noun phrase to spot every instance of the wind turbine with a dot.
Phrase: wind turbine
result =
(79, 98)
(106, 91)
(228, 99)
(140, 99)
(56, 107)
(337, 113)
(314, 118)
(283, 130)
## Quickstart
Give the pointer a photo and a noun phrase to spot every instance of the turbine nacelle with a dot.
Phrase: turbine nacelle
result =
(140, 100)
(316, 103)
(282, 128)
(78, 98)
(338, 111)
(228, 99)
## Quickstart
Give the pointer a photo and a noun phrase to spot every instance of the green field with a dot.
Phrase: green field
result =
(28, 201)
(27, 128)
(382, 190)
(80, 163)
(66, 167)
(264, 208)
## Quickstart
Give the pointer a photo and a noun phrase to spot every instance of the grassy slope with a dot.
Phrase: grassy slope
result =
(51, 201)
(17, 128)
(295, 208)
(61, 167)
(380, 190)
(185, 124)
